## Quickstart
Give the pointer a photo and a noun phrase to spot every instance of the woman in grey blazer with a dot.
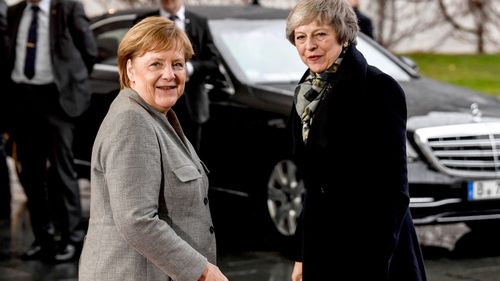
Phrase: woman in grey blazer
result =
(149, 213)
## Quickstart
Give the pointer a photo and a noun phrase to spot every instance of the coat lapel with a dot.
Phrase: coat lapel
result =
(14, 25)
(18, 15)
(189, 26)
(343, 92)
(169, 124)
(53, 24)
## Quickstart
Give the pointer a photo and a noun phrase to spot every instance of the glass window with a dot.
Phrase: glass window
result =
(380, 60)
(107, 45)
(258, 52)
(109, 32)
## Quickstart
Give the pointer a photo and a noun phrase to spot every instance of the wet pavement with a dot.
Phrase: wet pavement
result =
(451, 252)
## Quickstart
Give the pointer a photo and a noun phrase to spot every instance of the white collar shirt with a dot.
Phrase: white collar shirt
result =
(180, 21)
(43, 63)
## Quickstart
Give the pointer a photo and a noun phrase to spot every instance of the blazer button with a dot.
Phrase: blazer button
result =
(212, 230)
(205, 200)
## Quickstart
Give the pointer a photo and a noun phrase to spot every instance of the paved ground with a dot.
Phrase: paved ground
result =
(452, 253)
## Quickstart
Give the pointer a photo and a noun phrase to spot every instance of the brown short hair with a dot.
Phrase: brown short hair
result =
(150, 34)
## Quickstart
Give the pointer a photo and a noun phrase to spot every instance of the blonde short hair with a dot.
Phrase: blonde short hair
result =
(150, 34)
(338, 13)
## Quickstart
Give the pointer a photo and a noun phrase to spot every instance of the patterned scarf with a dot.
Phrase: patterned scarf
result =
(308, 94)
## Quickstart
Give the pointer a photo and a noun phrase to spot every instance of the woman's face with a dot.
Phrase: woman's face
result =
(317, 45)
(158, 77)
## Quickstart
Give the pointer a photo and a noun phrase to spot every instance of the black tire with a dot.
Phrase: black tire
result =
(283, 204)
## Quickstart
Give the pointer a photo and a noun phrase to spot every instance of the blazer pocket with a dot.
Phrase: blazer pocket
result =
(187, 173)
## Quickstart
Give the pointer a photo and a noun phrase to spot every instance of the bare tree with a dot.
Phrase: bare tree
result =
(476, 21)
(398, 20)
(476, 18)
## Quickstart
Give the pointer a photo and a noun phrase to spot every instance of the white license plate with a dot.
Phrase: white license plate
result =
(483, 190)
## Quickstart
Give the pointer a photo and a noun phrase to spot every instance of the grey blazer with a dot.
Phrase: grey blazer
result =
(149, 212)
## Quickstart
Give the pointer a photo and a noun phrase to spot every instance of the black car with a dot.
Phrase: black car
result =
(453, 133)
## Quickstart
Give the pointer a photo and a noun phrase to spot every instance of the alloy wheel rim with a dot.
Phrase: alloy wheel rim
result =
(284, 197)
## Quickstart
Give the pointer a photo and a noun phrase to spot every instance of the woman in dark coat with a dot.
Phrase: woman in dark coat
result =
(348, 125)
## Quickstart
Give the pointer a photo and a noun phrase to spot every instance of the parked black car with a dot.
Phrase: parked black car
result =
(453, 133)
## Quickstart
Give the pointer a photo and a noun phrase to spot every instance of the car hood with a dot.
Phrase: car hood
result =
(425, 95)
(430, 103)
(285, 88)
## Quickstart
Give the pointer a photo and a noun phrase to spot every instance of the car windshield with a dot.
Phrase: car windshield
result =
(258, 52)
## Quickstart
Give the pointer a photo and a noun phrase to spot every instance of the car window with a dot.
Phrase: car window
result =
(260, 53)
(107, 44)
(257, 50)
(380, 60)
(108, 32)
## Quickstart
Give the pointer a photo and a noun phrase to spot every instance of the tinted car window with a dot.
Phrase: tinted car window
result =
(108, 43)
(108, 33)
(258, 49)
(382, 61)
(261, 53)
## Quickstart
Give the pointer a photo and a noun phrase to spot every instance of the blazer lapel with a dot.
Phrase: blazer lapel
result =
(14, 25)
(172, 127)
(171, 119)
(54, 22)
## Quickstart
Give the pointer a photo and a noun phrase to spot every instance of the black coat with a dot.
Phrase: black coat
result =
(356, 220)
(72, 48)
(364, 22)
(3, 39)
(3, 64)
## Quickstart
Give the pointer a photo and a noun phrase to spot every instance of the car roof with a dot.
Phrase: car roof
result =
(239, 11)
(212, 12)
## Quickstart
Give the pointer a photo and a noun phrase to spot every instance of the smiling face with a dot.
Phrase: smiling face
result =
(158, 77)
(317, 45)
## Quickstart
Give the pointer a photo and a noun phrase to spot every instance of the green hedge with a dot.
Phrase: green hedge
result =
(477, 72)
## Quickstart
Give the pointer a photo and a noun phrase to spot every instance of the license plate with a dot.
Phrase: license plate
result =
(483, 190)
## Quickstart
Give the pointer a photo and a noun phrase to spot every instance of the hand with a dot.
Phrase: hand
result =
(212, 273)
(297, 272)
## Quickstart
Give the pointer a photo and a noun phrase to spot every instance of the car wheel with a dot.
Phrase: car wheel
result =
(285, 192)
